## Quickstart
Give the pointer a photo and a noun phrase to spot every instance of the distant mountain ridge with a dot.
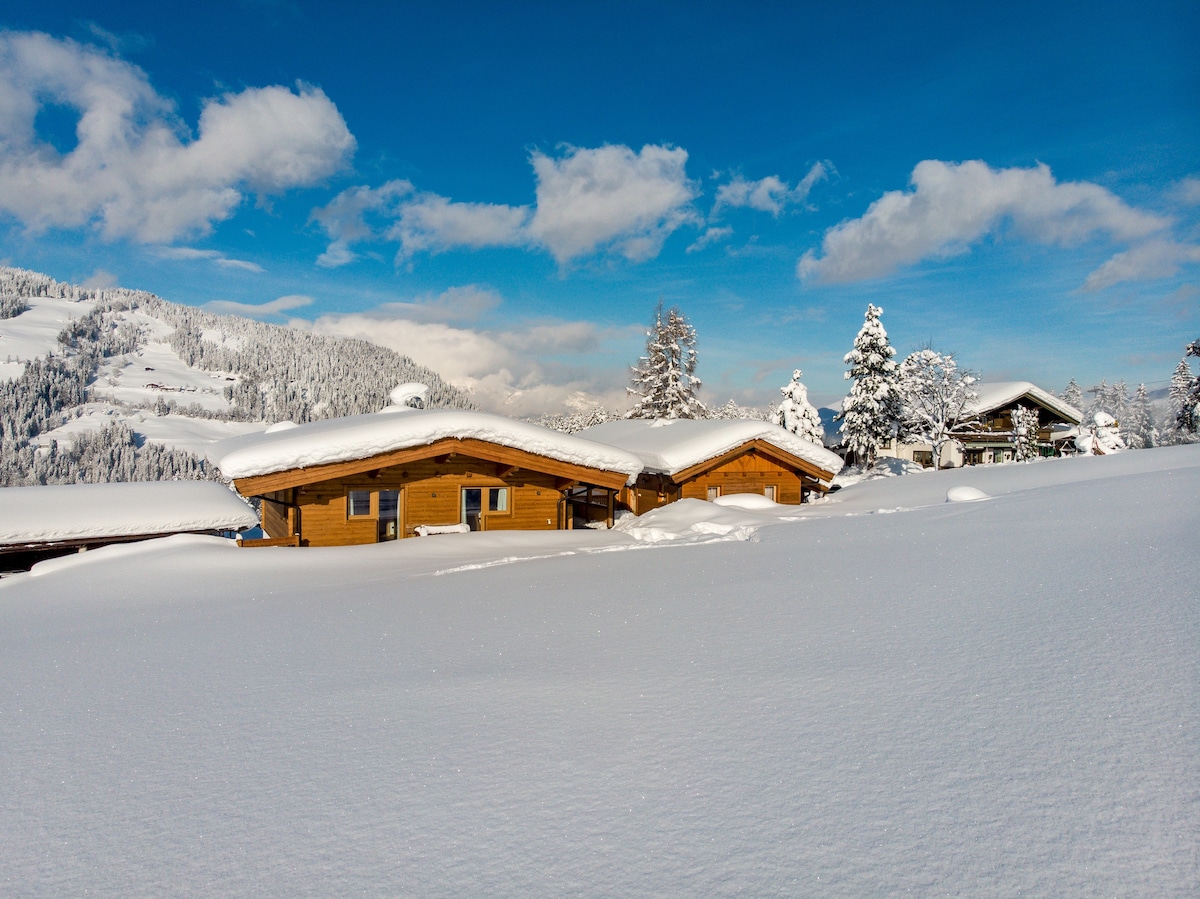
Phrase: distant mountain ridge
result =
(117, 384)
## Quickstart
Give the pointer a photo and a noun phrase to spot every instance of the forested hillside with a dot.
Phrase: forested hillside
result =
(77, 384)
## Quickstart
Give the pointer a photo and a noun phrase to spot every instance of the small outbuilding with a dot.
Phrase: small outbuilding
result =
(405, 472)
(38, 523)
(705, 459)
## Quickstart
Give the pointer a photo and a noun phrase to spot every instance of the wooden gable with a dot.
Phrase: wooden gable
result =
(761, 448)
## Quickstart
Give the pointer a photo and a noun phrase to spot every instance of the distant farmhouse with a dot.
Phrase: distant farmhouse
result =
(405, 472)
(38, 523)
(705, 459)
(986, 435)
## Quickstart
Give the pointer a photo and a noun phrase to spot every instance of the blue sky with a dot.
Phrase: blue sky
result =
(505, 191)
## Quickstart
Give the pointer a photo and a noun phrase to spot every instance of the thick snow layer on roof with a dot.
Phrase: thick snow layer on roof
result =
(363, 436)
(83, 511)
(998, 394)
(669, 446)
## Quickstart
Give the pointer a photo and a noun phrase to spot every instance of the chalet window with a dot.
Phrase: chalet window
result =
(389, 514)
(769, 492)
(713, 493)
(358, 503)
(479, 502)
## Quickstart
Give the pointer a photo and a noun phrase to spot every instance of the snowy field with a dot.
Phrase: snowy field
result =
(34, 333)
(887, 694)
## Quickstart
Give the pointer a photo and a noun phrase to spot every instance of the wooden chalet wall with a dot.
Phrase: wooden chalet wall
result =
(430, 494)
(750, 472)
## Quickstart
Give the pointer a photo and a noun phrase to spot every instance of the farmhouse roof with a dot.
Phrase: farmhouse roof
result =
(669, 446)
(76, 512)
(363, 436)
(1001, 394)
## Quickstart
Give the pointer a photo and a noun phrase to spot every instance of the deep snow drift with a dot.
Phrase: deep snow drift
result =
(993, 695)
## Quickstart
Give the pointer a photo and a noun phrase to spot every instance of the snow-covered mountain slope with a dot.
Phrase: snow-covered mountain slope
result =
(164, 381)
(889, 694)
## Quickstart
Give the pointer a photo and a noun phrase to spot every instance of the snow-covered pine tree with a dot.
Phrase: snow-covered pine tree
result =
(797, 414)
(1072, 395)
(731, 410)
(871, 411)
(935, 396)
(572, 422)
(664, 380)
(1024, 433)
(1140, 433)
(1183, 402)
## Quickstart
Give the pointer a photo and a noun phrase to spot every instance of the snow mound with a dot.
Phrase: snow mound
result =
(281, 426)
(749, 501)
(695, 521)
(409, 395)
(964, 494)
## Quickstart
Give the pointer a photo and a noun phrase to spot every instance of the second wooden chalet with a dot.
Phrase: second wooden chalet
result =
(405, 472)
(694, 459)
(986, 433)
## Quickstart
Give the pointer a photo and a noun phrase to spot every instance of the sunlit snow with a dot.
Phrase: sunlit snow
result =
(992, 698)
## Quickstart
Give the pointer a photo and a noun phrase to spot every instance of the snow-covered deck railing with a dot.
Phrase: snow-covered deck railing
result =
(85, 512)
(364, 436)
(1001, 394)
(669, 446)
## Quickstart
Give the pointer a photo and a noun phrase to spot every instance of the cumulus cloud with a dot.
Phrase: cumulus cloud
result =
(953, 205)
(771, 194)
(607, 199)
(611, 196)
(513, 371)
(1153, 259)
(134, 171)
(1187, 191)
(259, 310)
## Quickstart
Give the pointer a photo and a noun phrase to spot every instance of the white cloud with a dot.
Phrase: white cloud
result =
(952, 205)
(611, 197)
(1153, 259)
(587, 201)
(454, 304)
(711, 236)
(259, 310)
(770, 194)
(189, 253)
(1187, 191)
(133, 172)
(434, 224)
(514, 371)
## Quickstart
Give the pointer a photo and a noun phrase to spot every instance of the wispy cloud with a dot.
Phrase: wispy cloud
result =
(130, 174)
(709, 237)
(270, 309)
(953, 205)
(1151, 260)
(189, 253)
(771, 194)
(605, 199)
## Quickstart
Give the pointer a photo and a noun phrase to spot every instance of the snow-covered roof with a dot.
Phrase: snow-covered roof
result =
(668, 446)
(396, 428)
(86, 511)
(999, 394)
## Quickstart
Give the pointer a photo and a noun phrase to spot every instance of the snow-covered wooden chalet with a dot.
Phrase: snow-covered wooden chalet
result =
(705, 459)
(404, 472)
(39, 523)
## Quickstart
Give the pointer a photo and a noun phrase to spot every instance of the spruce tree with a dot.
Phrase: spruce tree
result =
(871, 412)
(1073, 395)
(797, 414)
(1184, 400)
(664, 380)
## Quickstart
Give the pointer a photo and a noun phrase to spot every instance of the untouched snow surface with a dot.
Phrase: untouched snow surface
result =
(990, 698)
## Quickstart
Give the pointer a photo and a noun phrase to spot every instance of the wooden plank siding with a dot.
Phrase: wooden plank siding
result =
(430, 494)
(748, 469)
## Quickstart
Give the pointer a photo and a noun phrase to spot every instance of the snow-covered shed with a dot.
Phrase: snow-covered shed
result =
(704, 459)
(403, 471)
(42, 522)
